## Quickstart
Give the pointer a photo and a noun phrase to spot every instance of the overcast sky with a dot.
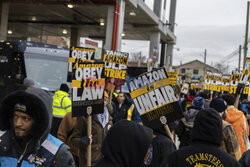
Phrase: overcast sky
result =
(215, 25)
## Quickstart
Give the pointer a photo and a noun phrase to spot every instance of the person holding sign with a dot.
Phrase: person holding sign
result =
(100, 126)
(64, 133)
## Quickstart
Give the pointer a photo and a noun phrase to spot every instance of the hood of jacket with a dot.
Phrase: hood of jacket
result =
(126, 145)
(61, 93)
(233, 114)
(191, 113)
(207, 127)
(36, 100)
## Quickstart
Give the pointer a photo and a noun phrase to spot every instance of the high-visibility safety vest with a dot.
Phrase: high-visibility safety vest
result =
(115, 94)
(61, 104)
(130, 112)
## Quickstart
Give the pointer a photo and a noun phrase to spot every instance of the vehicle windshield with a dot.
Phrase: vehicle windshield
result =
(48, 71)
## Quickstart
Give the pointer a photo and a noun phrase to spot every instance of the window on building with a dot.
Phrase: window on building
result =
(196, 72)
(183, 70)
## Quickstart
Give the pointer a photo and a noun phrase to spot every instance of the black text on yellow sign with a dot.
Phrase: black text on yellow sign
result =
(81, 53)
(216, 88)
(150, 87)
(115, 59)
(233, 89)
(77, 65)
(173, 77)
(235, 77)
(164, 110)
(225, 88)
(88, 82)
(151, 91)
(113, 73)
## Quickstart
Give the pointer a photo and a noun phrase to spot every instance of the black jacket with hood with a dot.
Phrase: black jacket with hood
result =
(120, 113)
(162, 147)
(125, 145)
(184, 128)
(40, 103)
(204, 151)
(245, 159)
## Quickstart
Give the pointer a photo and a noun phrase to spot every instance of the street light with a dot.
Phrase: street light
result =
(102, 22)
(132, 13)
(70, 6)
(65, 31)
(33, 18)
(10, 32)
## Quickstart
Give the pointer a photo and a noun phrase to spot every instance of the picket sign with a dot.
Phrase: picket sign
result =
(184, 88)
(166, 127)
(89, 133)
(154, 98)
(115, 68)
(87, 86)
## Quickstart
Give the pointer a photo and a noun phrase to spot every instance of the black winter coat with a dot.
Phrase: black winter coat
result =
(184, 128)
(40, 103)
(245, 159)
(204, 151)
(120, 113)
(201, 154)
(162, 147)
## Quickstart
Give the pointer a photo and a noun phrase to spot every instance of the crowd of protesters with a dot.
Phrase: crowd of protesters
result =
(40, 131)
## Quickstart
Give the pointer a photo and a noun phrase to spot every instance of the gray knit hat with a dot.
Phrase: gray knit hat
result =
(27, 82)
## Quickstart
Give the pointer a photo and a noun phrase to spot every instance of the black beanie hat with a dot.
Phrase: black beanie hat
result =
(64, 87)
(218, 104)
(22, 108)
(207, 127)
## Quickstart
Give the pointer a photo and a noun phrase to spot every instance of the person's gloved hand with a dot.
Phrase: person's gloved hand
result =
(86, 140)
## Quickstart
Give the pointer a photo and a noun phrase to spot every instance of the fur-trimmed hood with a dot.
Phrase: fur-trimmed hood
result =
(36, 100)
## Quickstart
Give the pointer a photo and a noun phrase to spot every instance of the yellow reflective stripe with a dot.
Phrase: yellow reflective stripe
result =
(130, 112)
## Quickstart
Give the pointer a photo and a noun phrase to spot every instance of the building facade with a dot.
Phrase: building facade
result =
(196, 68)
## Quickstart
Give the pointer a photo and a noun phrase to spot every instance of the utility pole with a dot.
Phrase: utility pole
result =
(205, 59)
(140, 59)
(239, 58)
(246, 36)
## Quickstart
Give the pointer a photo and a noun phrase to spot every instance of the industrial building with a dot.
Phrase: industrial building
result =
(63, 22)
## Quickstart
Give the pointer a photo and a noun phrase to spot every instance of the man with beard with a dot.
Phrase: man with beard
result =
(26, 117)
